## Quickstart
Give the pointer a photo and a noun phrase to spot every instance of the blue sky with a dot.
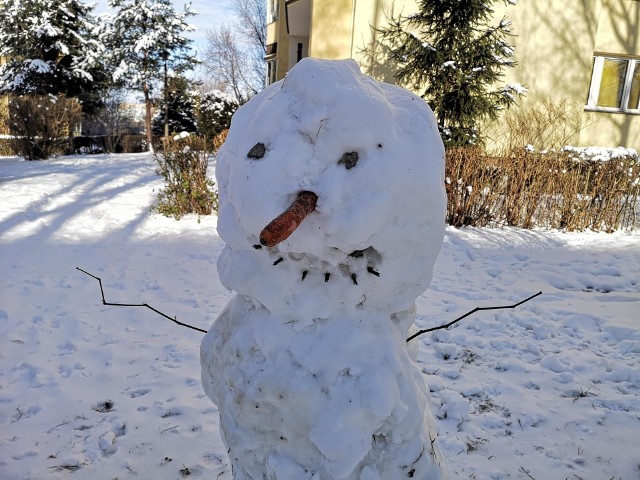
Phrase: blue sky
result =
(210, 14)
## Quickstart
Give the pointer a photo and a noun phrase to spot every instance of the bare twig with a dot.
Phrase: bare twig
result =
(526, 473)
(146, 305)
(477, 309)
(326, 278)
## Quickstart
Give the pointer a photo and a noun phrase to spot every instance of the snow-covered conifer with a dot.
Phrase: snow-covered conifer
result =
(52, 49)
(179, 108)
(215, 112)
(146, 39)
(452, 55)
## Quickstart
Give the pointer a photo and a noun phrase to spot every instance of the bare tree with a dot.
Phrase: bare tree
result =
(252, 16)
(234, 55)
(111, 121)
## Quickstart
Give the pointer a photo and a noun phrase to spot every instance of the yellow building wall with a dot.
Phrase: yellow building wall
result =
(331, 26)
(553, 46)
(619, 28)
(346, 29)
(618, 33)
(555, 41)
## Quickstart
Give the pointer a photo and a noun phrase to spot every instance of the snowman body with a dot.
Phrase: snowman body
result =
(308, 364)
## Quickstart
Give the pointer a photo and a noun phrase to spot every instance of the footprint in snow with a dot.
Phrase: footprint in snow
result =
(140, 392)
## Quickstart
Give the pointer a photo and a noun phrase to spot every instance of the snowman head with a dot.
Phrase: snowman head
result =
(364, 161)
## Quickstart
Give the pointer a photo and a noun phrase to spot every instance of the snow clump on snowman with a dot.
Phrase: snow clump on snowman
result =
(332, 209)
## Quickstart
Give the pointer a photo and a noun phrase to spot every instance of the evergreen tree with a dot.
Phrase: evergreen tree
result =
(215, 112)
(451, 56)
(179, 99)
(146, 41)
(51, 49)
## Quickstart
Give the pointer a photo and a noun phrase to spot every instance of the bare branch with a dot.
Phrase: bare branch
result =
(146, 305)
(477, 309)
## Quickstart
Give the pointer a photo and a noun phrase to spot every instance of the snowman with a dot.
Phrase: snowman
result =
(332, 210)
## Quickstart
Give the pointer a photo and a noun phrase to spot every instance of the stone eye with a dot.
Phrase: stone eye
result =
(257, 151)
(349, 160)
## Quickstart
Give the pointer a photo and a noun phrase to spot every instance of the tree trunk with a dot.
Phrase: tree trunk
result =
(147, 120)
(166, 102)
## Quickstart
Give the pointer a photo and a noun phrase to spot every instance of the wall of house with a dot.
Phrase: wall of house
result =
(618, 34)
(346, 29)
(619, 28)
(331, 26)
(555, 42)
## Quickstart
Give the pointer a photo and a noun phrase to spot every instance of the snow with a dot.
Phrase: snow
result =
(602, 154)
(115, 392)
(309, 363)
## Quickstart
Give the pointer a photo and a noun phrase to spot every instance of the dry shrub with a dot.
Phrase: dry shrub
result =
(530, 180)
(219, 139)
(183, 165)
(552, 190)
(551, 124)
(42, 124)
(5, 139)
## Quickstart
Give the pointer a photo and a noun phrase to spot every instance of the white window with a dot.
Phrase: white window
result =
(615, 85)
(271, 71)
(272, 10)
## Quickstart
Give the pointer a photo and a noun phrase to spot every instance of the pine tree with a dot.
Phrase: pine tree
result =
(181, 116)
(214, 113)
(51, 49)
(451, 56)
(146, 40)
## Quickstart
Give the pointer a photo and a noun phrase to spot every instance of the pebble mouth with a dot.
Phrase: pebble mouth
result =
(358, 262)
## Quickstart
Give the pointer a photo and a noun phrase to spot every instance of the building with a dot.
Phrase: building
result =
(584, 51)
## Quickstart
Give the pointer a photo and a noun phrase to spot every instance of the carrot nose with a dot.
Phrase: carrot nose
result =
(281, 227)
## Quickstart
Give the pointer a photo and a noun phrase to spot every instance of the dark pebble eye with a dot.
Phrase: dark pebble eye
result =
(257, 151)
(349, 160)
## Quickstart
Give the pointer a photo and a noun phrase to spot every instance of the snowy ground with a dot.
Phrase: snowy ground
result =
(550, 390)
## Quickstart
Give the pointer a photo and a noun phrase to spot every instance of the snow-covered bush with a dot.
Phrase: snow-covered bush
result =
(178, 102)
(215, 112)
(183, 165)
(42, 125)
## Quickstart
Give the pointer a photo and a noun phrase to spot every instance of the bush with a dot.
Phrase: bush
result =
(530, 178)
(551, 124)
(183, 165)
(219, 139)
(5, 138)
(215, 112)
(41, 125)
(552, 190)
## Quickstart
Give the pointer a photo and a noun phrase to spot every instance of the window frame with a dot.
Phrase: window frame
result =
(272, 70)
(272, 11)
(596, 78)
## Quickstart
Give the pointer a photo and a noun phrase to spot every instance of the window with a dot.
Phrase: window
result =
(615, 85)
(271, 71)
(299, 52)
(272, 10)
